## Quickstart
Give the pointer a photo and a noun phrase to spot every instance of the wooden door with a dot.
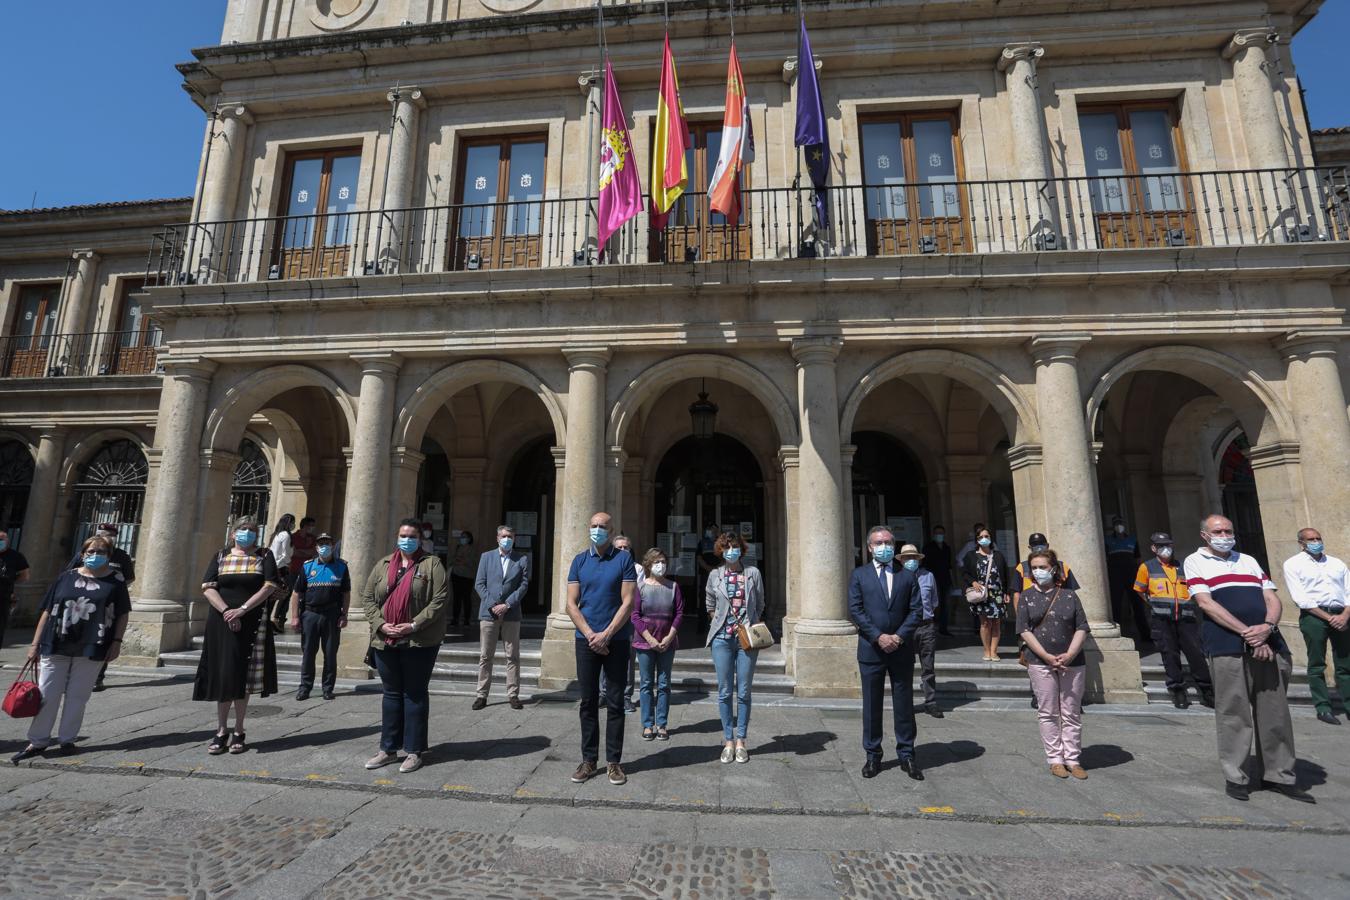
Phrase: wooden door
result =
(1135, 165)
(498, 222)
(32, 330)
(912, 171)
(135, 344)
(315, 234)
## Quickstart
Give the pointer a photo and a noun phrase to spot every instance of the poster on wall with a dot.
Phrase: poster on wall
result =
(523, 522)
(907, 529)
(678, 523)
(748, 530)
(688, 541)
(754, 551)
(524, 541)
(684, 564)
(665, 541)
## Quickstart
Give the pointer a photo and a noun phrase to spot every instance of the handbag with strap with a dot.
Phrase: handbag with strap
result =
(1023, 651)
(23, 699)
(976, 595)
(754, 637)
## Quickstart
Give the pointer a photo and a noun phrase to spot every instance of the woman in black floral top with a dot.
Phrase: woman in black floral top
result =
(83, 617)
(987, 568)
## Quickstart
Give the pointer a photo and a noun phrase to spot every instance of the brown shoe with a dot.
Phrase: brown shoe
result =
(479, 702)
(1078, 772)
(616, 775)
(1059, 771)
(516, 704)
(585, 772)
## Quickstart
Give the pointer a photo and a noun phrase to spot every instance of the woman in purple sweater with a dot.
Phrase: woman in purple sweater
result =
(656, 621)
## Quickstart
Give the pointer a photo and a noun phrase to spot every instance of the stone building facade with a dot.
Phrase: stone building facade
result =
(1080, 263)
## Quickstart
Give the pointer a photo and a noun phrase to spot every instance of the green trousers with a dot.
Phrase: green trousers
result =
(1317, 634)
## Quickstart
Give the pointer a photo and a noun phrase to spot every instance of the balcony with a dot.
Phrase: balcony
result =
(91, 355)
(1150, 211)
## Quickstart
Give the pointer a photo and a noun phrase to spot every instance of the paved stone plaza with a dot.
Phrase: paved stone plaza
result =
(493, 813)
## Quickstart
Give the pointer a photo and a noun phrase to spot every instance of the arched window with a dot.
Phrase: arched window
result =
(252, 485)
(112, 489)
(16, 477)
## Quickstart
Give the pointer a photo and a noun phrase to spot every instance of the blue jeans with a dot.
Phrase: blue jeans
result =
(405, 674)
(735, 673)
(655, 669)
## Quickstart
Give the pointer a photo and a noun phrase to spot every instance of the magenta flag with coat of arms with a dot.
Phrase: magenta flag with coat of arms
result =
(620, 190)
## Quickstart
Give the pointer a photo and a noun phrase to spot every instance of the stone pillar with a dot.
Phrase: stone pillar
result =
(1073, 514)
(216, 481)
(846, 453)
(1284, 496)
(1027, 120)
(1256, 105)
(583, 494)
(159, 608)
(968, 496)
(324, 493)
(37, 539)
(616, 459)
(73, 348)
(1317, 399)
(1147, 517)
(364, 530)
(393, 237)
(466, 496)
(788, 459)
(1026, 463)
(208, 245)
(405, 464)
(825, 638)
(1186, 506)
(591, 83)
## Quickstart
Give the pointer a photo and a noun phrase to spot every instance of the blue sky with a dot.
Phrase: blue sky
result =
(95, 113)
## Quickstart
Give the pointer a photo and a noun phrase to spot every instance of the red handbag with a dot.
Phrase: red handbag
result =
(23, 699)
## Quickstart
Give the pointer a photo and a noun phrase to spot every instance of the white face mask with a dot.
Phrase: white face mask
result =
(1164, 553)
(659, 569)
(1042, 576)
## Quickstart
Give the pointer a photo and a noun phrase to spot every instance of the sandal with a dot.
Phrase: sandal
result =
(648, 734)
(237, 744)
(217, 745)
(662, 734)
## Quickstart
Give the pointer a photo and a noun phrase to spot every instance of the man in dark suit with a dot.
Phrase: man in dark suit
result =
(503, 577)
(883, 601)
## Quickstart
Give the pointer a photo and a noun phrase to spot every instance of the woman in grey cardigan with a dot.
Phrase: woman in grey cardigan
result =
(734, 597)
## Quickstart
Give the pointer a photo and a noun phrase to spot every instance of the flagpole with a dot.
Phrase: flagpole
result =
(590, 136)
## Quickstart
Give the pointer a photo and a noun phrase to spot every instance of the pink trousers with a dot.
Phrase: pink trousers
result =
(1059, 706)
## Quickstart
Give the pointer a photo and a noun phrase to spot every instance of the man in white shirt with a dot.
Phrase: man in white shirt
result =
(1320, 585)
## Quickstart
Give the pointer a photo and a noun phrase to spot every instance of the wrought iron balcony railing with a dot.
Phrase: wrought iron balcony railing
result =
(1118, 212)
(92, 354)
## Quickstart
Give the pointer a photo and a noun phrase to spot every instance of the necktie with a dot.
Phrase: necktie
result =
(881, 574)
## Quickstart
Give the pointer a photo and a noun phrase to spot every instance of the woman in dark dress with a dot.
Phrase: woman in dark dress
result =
(986, 568)
(238, 656)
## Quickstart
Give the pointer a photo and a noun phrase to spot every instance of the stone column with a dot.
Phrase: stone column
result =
(1318, 401)
(159, 609)
(846, 453)
(1147, 517)
(591, 83)
(405, 464)
(583, 494)
(73, 348)
(393, 234)
(208, 244)
(324, 493)
(1030, 151)
(1257, 108)
(215, 482)
(364, 530)
(788, 459)
(1026, 463)
(1073, 514)
(37, 538)
(825, 638)
(616, 459)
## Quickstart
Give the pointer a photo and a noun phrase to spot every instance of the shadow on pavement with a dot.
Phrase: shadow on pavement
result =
(505, 748)
(152, 742)
(808, 744)
(313, 739)
(935, 756)
(1104, 756)
(1309, 774)
(675, 757)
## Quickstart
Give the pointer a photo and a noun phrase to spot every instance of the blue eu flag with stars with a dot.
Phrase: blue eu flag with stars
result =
(812, 135)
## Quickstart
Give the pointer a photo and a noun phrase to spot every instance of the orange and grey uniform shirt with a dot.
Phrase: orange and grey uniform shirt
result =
(1165, 588)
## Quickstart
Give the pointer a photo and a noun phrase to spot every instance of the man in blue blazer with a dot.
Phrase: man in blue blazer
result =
(883, 601)
(503, 577)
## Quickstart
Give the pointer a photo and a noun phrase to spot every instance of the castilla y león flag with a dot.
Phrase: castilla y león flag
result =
(620, 191)
(738, 145)
(670, 172)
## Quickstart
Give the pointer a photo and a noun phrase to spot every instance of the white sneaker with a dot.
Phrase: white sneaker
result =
(379, 759)
(728, 754)
(411, 763)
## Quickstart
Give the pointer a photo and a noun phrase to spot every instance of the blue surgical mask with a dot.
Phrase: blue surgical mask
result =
(599, 534)
(506, 543)
(985, 542)
(939, 538)
(883, 553)
(732, 554)
(911, 565)
(245, 538)
(1315, 548)
(95, 560)
(325, 551)
(1042, 576)
(409, 544)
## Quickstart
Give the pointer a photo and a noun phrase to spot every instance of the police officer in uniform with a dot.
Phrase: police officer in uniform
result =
(320, 599)
(1175, 621)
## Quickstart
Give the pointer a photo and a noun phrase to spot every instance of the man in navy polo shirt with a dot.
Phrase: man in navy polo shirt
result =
(600, 589)
(320, 598)
(1248, 661)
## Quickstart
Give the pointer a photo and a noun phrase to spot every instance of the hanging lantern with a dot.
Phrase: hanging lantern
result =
(703, 413)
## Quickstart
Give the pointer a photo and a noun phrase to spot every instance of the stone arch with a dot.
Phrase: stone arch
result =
(294, 461)
(7, 434)
(1260, 409)
(231, 412)
(1005, 395)
(655, 380)
(85, 449)
(418, 409)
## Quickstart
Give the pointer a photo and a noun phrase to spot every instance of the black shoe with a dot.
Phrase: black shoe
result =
(1207, 699)
(871, 767)
(1292, 791)
(933, 710)
(1236, 791)
(479, 702)
(67, 750)
(328, 695)
(302, 694)
(1033, 703)
(629, 706)
(1328, 718)
(515, 703)
(1180, 700)
(26, 753)
(99, 686)
(910, 767)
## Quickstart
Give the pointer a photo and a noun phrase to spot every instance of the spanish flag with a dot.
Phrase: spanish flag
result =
(670, 172)
(738, 145)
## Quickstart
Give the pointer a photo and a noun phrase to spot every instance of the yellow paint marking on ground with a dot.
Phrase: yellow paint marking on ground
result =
(384, 782)
(71, 762)
(455, 787)
(1024, 813)
(1223, 820)
(1122, 817)
(314, 776)
(521, 792)
(131, 765)
(936, 809)
(255, 773)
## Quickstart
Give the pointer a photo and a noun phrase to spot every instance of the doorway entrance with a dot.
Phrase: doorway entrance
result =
(889, 488)
(527, 506)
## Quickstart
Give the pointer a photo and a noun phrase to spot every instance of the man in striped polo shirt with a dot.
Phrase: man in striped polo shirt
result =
(1248, 661)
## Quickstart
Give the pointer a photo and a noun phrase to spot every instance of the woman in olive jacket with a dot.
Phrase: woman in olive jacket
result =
(405, 602)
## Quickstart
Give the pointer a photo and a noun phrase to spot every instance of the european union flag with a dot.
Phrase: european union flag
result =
(812, 134)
